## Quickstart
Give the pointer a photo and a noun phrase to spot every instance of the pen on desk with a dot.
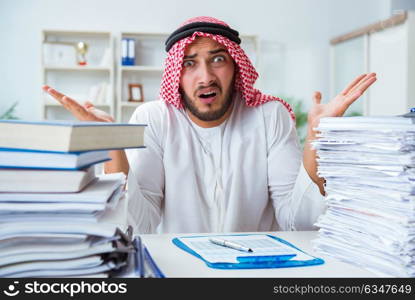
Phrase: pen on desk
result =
(229, 244)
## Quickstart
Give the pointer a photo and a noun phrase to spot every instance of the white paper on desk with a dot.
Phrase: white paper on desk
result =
(45, 207)
(371, 192)
(332, 171)
(74, 267)
(363, 221)
(357, 169)
(114, 212)
(400, 212)
(62, 207)
(362, 258)
(44, 228)
(40, 240)
(81, 272)
(44, 253)
(53, 217)
(359, 144)
(262, 245)
(364, 157)
(369, 167)
(404, 186)
(386, 123)
(369, 250)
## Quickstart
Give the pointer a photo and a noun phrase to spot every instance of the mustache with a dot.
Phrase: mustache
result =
(214, 84)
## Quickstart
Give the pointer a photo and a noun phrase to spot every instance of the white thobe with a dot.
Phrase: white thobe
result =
(244, 175)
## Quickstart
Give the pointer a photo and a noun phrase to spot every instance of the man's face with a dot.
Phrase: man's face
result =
(207, 80)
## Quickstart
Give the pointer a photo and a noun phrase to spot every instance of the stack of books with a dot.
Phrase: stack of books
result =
(369, 167)
(57, 217)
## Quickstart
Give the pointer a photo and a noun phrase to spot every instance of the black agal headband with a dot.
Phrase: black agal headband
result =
(189, 29)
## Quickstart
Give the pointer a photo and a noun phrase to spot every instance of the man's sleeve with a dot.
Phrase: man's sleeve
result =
(296, 199)
(145, 185)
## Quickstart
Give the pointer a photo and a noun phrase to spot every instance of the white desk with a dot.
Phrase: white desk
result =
(175, 262)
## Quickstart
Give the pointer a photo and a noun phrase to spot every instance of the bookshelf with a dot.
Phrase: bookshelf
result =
(148, 67)
(83, 77)
(147, 70)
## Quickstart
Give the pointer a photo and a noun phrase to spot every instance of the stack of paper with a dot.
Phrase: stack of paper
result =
(56, 217)
(369, 167)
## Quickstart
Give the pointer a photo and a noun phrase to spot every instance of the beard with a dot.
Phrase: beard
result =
(210, 115)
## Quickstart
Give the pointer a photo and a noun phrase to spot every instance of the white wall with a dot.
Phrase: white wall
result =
(295, 35)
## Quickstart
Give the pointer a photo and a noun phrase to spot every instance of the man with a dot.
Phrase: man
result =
(220, 156)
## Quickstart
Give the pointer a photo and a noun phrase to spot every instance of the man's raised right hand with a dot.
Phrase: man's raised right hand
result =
(86, 112)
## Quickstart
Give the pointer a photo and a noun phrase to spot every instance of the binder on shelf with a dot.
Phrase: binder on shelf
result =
(268, 252)
(128, 52)
(124, 52)
(131, 52)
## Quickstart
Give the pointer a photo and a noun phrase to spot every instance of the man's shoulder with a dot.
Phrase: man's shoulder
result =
(273, 107)
(152, 110)
(276, 112)
(152, 106)
(156, 114)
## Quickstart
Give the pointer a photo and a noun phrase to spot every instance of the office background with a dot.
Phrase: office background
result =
(294, 36)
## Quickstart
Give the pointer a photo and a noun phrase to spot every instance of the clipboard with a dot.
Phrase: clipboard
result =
(295, 258)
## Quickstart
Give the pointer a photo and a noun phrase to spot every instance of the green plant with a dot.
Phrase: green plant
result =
(353, 114)
(301, 117)
(9, 114)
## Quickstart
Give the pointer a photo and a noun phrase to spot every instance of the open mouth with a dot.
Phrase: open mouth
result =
(208, 97)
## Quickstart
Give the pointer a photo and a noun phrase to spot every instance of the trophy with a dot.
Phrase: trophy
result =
(81, 49)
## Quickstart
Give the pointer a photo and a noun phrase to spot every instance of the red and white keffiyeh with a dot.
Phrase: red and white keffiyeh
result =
(246, 74)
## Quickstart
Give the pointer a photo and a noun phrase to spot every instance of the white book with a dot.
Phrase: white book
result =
(112, 214)
(99, 191)
(78, 272)
(44, 253)
(27, 242)
(30, 229)
(52, 207)
(61, 207)
(46, 268)
(53, 217)
(32, 180)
